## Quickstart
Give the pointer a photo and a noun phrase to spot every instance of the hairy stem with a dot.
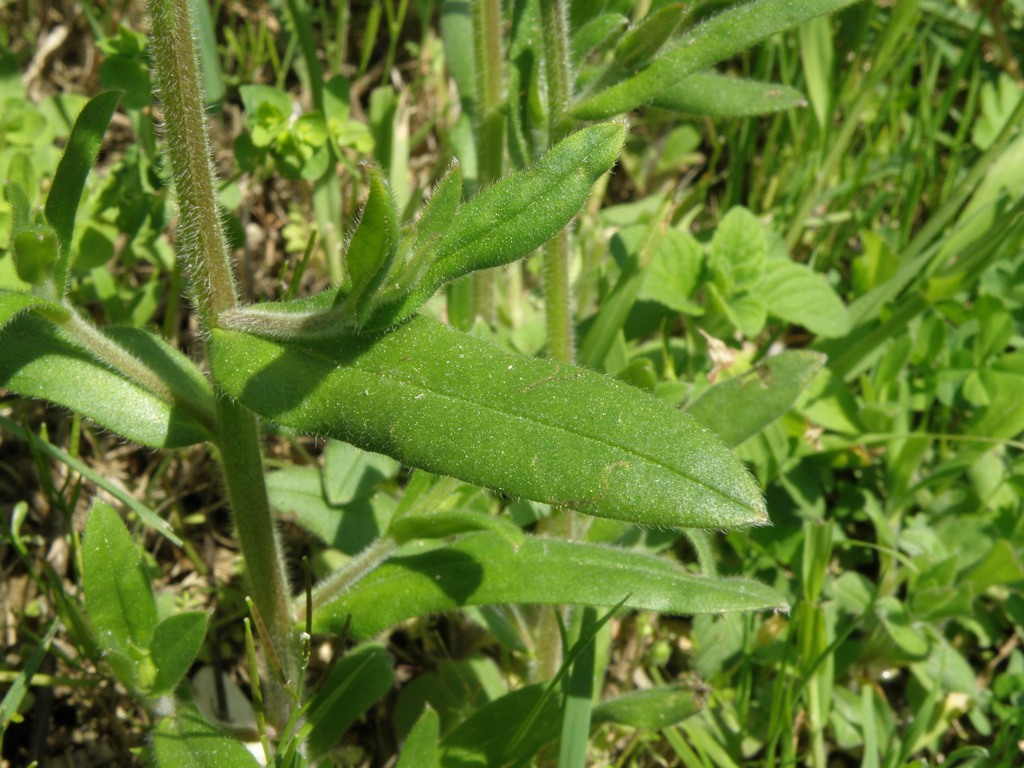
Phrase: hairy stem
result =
(205, 250)
(558, 303)
(490, 129)
(200, 233)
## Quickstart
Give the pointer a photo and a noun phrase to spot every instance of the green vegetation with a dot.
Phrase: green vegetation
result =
(429, 374)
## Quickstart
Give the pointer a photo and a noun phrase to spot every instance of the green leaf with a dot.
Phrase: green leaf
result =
(739, 408)
(675, 273)
(639, 45)
(420, 749)
(373, 247)
(355, 683)
(444, 523)
(176, 643)
(739, 251)
(256, 97)
(186, 740)
(299, 493)
(66, 191)
(518, 214)
(485, 737)
(718, 95)
(799, 295)
(14, 303)
(350, 473)
(421, 241)
(443, 401)
(118, 598)
(597, 33)
(719, 38)
(36, 253)
(651, 709)
(37, 360)
(484, 568)
(616, 305)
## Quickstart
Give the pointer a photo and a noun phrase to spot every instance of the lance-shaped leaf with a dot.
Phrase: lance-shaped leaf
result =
(372, 250)
(717, 95)
(515, 216)
(69, 181)
(38, 360)
(740, 407)
(484, 568)
(714, 40)
(443, 401)
(639, 45)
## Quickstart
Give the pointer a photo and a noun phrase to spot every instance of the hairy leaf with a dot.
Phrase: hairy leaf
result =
(446, 402)
(37, 360)
(517, 214)
(484, 568)
(714, 40)
(717, 95)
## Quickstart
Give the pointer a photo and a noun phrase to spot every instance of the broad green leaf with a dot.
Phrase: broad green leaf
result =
(443, 401)
(36, 253)
(68, 183)
(720, 37)
(717, 95)
(738, 251)
(675, 273)
(186, 740)
(350, 473)
(420, 749)
(453, 688)
(484, 568)
(746, 310)
(118, 597)
(516, 215)
(356, 682)
(486, 737)
(739, 408)
(37, 360)
(298, 493)
(254, 97)
(176, 643)
(799, 295)
(650, 709)
(189, 384)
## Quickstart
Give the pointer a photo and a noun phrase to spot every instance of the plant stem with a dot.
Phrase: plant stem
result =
(356, 569)
(490, 129)
(188, 144)
(206, 254)
(558, 303)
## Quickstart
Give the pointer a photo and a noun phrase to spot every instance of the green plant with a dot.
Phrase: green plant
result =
(358, 363)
